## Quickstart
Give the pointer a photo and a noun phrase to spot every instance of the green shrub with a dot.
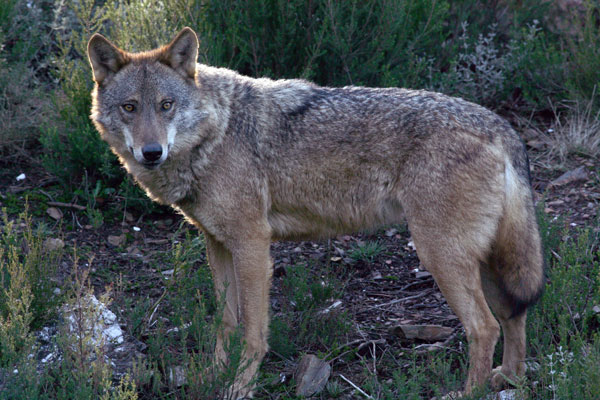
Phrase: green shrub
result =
(563, 328)
(584, 57)
(306, 322)
(26, 256)
(366, 252)
(26, 302)
(24, 102)
(376, 43)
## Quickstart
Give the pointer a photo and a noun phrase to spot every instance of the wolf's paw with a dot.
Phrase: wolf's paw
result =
(499, 378)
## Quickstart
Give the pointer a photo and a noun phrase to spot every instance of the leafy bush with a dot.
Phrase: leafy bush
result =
(563, 328)
(583, 50)
(24, 255)
(305, 311)
(24, 103)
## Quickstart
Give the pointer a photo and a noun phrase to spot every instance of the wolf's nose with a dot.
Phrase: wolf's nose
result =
(152, 151)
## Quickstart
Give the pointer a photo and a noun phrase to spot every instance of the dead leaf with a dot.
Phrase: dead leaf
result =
(311, 375)
(53, 244)
(116, 240)
(391, 232)
(55, 213)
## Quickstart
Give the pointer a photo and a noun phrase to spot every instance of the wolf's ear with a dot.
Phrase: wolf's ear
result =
(105, 58)
(181, 54)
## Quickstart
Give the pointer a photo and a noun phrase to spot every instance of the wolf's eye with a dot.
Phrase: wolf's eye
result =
(129, 108)
(167, 105)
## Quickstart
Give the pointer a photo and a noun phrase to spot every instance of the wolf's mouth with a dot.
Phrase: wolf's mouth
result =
(151, 165)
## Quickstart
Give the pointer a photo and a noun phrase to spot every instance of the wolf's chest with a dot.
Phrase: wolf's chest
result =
(167, 185)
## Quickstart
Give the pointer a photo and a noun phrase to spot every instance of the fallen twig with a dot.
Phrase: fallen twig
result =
(400, 300)
(66, 205)
(356, 387)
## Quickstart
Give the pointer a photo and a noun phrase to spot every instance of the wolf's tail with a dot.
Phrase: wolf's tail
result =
(517, 254)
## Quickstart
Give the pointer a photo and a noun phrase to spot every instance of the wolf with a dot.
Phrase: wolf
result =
(249, 161)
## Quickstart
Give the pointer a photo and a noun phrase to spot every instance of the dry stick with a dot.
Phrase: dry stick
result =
(66, 205)
(356, 387)
(416, 296)
(426, 348)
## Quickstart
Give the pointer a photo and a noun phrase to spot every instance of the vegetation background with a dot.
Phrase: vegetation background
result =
(536, 62)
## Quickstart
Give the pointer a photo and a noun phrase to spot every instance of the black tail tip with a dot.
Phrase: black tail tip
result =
(519, 305)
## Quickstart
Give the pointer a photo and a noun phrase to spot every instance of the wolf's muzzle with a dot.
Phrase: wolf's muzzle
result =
(152, 152)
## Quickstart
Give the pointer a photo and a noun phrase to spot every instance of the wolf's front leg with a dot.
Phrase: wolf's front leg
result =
(245, 274)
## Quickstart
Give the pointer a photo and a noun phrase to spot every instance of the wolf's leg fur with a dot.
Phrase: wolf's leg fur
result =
(245, 273)
(224, 278)
(253, 265)
(513, 277)
(457, 274)
(513, 329)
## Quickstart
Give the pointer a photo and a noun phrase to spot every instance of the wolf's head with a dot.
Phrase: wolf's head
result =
(147, 104)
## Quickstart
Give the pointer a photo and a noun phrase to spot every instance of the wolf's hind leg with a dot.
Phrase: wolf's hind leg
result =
(513, 329)
(457, 275)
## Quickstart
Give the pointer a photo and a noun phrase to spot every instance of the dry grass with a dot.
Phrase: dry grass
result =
(578, 133)
(574, 131)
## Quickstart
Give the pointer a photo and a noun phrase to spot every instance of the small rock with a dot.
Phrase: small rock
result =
(129, 217)
(311, 375)
(116, 240)
(532, 366)
(429, 333)
(578, 174)
(422, 274)
(510, 394)
(177, 376)
(21, 177)
(279, 271)
(55, 213)
(391, 232)
(53, 244)
(596, 309)
(48, 358)
(376, 276)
